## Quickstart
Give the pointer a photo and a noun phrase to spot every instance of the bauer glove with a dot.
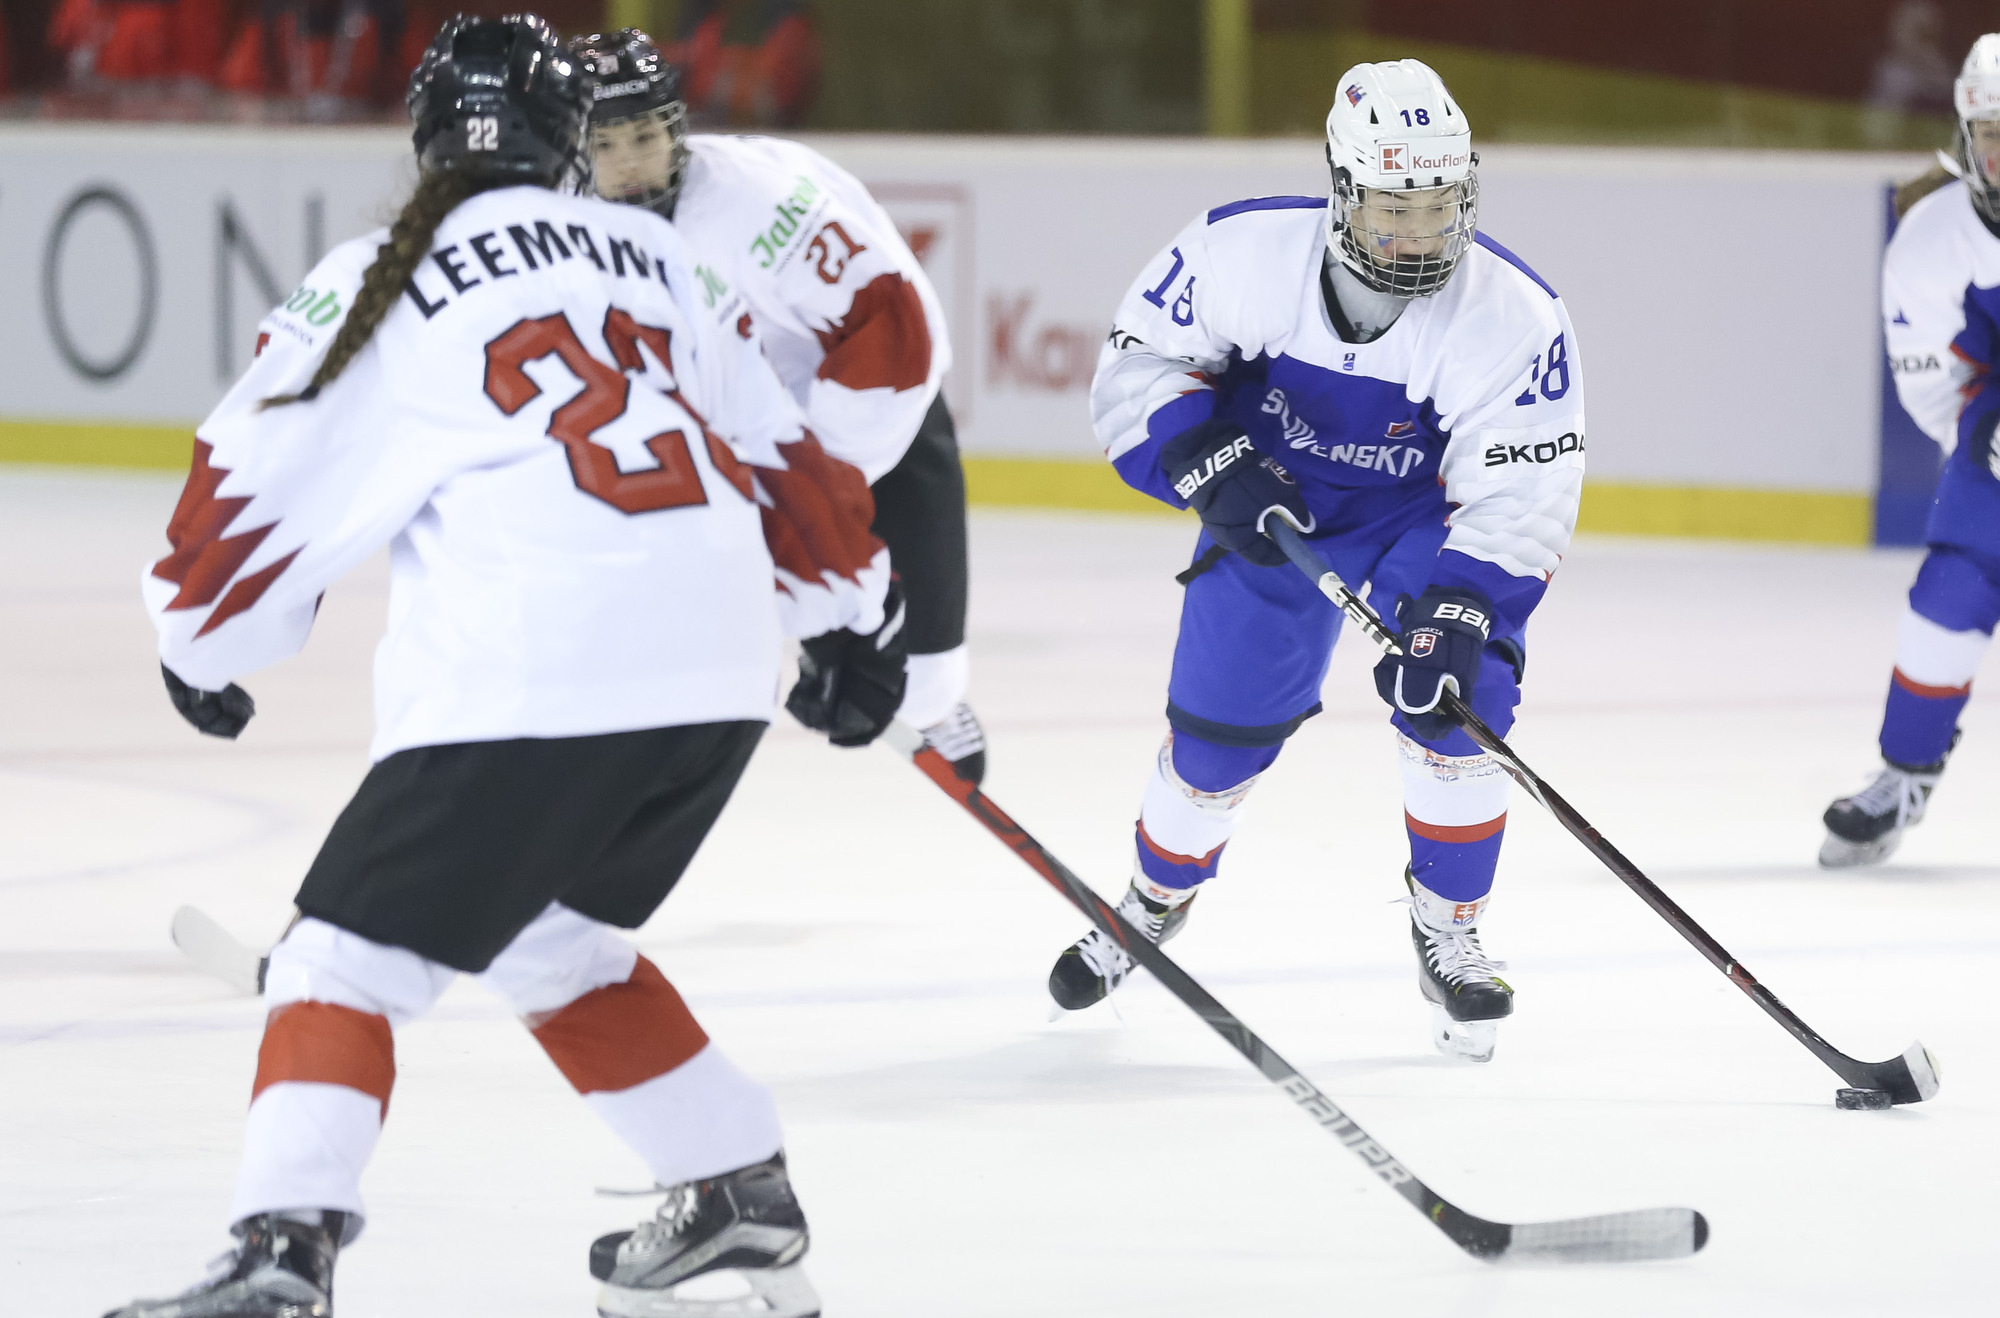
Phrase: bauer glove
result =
(1233, 487)
(850, 686)
(1444, 633)
(214, 713)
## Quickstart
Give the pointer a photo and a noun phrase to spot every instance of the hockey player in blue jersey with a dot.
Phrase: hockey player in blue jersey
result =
(1409, 394)
(1941, 316)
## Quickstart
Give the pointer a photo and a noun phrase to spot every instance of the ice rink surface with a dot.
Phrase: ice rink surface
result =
(852, 938)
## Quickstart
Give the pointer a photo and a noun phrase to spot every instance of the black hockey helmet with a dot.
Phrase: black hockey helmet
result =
(501, 98)
(637, 90)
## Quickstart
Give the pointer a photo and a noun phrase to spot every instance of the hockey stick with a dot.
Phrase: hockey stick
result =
(1650, 1233)
(215, 950)
(1910, 1078)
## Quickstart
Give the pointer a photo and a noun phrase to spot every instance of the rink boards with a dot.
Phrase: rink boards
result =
(1726, 301)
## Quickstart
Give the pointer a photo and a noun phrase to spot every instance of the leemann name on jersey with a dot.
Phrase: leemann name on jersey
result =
(1940, 303)
(1470, 406)
(847, 316)
(587, 477)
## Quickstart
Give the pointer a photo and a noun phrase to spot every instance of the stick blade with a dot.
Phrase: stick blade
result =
(1648, 1233)
(214, 950)
(1911, 1078)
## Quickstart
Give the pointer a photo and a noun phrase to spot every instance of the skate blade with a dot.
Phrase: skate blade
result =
(724, 1293)
(1837, 853)
(1465, 1041)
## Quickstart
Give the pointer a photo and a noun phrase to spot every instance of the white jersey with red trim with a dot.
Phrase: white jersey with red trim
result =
(1939, 249)
(583, 473)
(846, 314)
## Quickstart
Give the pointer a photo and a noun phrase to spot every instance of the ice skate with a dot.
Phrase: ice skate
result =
(1867, 827)
(959, 738)
(279, 1269)
(1467, 996)
(726, 1247)
(1094, 965)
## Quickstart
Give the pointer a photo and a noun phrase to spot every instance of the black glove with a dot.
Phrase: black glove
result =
(215, 713)
(850, 686)
(1444, 632)
(1233, 487)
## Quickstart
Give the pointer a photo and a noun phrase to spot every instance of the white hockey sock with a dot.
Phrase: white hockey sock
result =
(1181, 827)
(1931, 656)
(937, 683)
(700, 1119)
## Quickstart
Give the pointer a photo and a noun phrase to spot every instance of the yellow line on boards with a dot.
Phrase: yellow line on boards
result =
(97, 444)
(1798, 517)
(1704, 513)
(1793, 516)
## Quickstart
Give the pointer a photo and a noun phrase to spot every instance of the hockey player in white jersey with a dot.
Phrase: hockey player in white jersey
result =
(1941, 319)
(845, 313)
(587, 481)
(1409, 393)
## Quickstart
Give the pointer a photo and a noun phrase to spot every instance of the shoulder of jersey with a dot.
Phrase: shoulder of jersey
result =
(1942, 215)
(730, 174)
(1494, 290)
(321, 301)
(1258, 250)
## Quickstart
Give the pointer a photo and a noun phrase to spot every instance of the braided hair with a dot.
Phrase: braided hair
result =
(438, 193)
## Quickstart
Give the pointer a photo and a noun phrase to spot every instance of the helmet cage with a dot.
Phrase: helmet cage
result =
(632, 82)
(672, 121)
(1983, 184)
(1363, 223)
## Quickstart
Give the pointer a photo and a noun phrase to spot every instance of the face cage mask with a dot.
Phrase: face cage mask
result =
(1401, 276)
(672, 120)
(1984, 187)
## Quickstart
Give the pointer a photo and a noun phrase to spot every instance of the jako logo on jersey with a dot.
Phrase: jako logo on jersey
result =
(1207, 471)
(1297, 433)
(314, 307)
(1914, 363)
(1354, 93)
(1398, 429)
(1466, 614)
(1422, 644)
(790, 211)
(1547, 450)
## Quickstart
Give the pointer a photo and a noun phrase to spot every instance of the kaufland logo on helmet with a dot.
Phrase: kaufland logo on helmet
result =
(1401, 158)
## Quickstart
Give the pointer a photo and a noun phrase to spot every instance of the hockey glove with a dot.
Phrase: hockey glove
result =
(1233, 487)
(214, 713)
(850, 686)
(1444, 632)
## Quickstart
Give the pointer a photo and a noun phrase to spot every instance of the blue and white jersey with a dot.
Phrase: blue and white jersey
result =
(1940, 262)
(1469, 408)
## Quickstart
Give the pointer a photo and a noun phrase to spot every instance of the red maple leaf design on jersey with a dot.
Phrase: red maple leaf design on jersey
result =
(204, 560)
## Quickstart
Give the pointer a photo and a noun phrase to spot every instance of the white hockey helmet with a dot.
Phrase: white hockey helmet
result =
(1976, 95)
(1405, 201)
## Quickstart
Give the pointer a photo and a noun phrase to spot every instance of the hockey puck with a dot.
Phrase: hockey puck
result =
(1862, 1100)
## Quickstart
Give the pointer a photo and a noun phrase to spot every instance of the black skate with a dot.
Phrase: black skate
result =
(718, 1248)
(279, 1269)
(1094, 965)
(1460, 981)
(1867, 827)
(959, 738)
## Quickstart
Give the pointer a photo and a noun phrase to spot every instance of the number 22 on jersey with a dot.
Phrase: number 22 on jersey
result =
(606, 392)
